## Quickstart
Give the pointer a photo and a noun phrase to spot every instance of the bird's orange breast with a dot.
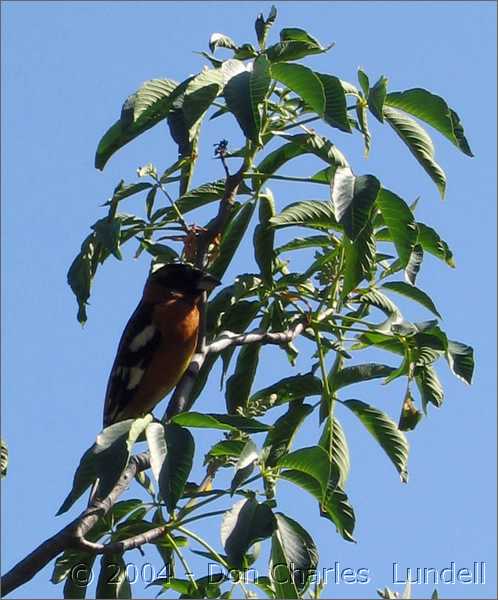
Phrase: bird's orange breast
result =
(178, 322)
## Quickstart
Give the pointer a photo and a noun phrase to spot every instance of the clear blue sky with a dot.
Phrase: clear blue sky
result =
(66, 69)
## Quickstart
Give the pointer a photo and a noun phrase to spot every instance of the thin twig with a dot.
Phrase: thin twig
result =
(179, 215)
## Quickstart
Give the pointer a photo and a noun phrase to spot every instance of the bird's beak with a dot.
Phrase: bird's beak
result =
(207, 282)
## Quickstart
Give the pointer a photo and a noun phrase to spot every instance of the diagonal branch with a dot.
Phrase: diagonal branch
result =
(218, 224)
(73, 534)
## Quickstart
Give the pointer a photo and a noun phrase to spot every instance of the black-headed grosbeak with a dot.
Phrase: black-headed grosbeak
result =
(158, 342)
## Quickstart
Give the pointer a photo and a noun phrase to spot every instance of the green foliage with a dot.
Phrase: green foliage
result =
(360, 241)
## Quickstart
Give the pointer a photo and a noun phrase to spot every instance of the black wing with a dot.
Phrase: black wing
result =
(136, 348)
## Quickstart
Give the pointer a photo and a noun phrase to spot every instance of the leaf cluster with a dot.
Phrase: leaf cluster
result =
(364, 246)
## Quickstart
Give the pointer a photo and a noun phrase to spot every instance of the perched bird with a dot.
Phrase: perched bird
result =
(157, 343)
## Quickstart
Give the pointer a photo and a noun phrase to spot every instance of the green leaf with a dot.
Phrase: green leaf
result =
(312, 460)
(236, 318)
(400, 223)
(204, 194)
(313, 143)
(308, 143)
(304, 82)
(259, 84)
(410, 416)
(361, 113)
(335, 113)
(290, 388)
(245, 464)
(121, 509)
(266, 586)
(219, 40)
(414, 263)
(298, 549)
(364, 82)
(316, 214)
(76, 584)
(279, 439)
(200, 92)
(313, 241)
(81, 272)
(429, 386)
(433, 110)
(276, 159)
(107, 233)
(243, 525)
(177, 462)
(337, 448)
(335, 507)
(292, 50)
(231, 239)
(245, 51)
(376, 98)
(352, 198)
(414, 293)
(419, 143)
(264, 236)
(263, 26)
(219, 421)
(376, 298)
(281, 580)
(156, 441)
(112, 581)
(106, 459)
(141, 111)
(358, 373)
(227, 448)
(460, 358)
(359, 259)
(298, 35)
(430, 241)
(385, 432)
(238, 386)
(164, 254)
(244, 93)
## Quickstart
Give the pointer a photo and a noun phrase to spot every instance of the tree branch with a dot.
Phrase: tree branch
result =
(180, 401)
(218, 224)
(279, 338)
(74, 533)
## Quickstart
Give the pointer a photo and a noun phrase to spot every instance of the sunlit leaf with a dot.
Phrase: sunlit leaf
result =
(352, 198)
(400, 223)
(429, 386)
(358, 373)
(219, 421)
(419, 143)
(376, 98)
(244, 524)
(220, 40)
(461, 360)
(433, 110)
(298, 550)
(430, 241)
(385, 432)
(303, 81)
(309, 213)
(141, 111)
(279, 439)
(359, 260)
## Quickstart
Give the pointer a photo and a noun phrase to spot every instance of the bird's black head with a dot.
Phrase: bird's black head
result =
(184, 278)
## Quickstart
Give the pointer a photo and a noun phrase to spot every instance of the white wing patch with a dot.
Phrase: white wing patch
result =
(135, 377)
(141, 339)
